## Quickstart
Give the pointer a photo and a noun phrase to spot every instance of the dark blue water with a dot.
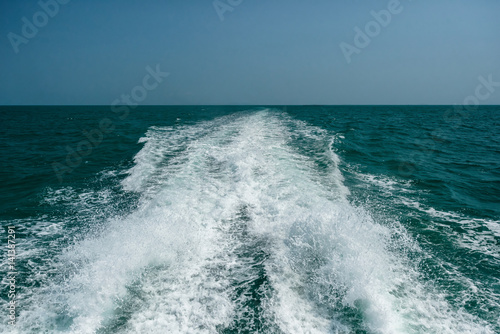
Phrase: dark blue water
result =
(314, 219)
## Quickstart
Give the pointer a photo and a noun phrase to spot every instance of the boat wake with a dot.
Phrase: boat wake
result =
(243, 225)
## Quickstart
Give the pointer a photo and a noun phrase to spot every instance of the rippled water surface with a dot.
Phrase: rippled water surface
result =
(252, 220)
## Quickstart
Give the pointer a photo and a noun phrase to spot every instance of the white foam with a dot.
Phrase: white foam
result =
(386, 184)
(484, 242)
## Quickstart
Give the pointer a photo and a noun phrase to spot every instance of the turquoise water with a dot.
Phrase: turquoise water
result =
(296, 219)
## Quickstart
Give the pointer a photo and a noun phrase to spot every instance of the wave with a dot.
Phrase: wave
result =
(243, 224)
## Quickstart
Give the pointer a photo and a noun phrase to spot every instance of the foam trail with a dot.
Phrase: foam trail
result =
(238, 229)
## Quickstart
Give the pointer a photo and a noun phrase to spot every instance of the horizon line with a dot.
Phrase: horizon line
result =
(237, 105)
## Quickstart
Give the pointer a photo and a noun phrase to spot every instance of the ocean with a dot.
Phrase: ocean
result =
(241, 219)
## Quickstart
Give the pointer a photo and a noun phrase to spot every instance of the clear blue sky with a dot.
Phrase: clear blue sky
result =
(263, 52)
